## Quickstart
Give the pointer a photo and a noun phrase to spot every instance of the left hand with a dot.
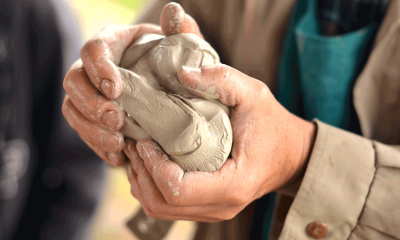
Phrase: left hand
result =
(94, 81)
(270, 147)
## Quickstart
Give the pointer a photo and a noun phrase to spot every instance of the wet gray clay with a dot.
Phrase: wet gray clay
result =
(196, 133)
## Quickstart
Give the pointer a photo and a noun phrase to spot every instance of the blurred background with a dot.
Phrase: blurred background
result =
(118, 205)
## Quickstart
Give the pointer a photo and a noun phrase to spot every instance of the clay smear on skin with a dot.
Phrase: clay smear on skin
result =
(178, 18)
(209, 93)
(174, 189)
(194, 132)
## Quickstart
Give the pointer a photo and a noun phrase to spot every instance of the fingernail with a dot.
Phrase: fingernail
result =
(199, 89)
(191, 71)
(141, 150)
(130, 148)
(107, 87)
(110, 119)
(111, 142)
(176, 15)
(114, 159)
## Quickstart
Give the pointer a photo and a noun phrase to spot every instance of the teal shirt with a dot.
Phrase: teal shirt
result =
(317, 73)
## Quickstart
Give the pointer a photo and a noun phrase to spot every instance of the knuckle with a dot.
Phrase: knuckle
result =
(86, 48)
(173, 200)
(88, 111)
(68, 79)
(149, 214)
(152, 210)
(243, 197)
(241, 200)
(263, 91)
(225, 72)
(90, 46)
(240, 197)
(227, 214)
(66, 111)
(73, 77)
(95, 108)
(65, 104)
(230, 214)
(76, 74)
(219, 72)
(147, 211)
(152, 207)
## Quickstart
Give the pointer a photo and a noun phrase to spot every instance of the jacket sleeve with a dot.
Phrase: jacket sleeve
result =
(351, 185)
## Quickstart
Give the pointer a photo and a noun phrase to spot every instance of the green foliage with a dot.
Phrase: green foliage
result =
(132, 4)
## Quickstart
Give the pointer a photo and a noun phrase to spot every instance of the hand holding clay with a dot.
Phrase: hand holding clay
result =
(270, 149)
(95, 80)
(194, 132)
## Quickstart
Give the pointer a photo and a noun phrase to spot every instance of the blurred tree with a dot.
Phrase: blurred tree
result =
(132, 4)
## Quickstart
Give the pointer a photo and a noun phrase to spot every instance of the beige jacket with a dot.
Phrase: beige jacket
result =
(352, 183)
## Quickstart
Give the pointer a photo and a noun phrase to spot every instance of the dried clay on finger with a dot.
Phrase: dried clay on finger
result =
(196, 133)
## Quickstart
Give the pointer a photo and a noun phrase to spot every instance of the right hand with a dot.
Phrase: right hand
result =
(94, 80)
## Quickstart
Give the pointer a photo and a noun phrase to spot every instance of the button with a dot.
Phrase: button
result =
(317, 230)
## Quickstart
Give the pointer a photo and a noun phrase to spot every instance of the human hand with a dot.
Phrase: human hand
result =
(270, 145)
(94, 80)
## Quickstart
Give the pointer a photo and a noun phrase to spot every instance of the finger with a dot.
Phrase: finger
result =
(90, 102)
(174, 20)
(161, 209)
(132, 178)
(111, 142)
(222, 82)
(233, 89)
(154, 200)
(132, 154)
(190, 188)
(102, 54)
(135, 189)
(113, 159)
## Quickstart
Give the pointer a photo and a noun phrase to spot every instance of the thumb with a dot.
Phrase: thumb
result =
(222, 82)
(174, 20)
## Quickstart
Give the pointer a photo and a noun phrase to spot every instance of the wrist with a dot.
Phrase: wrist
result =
(308, 130)
(309, 133)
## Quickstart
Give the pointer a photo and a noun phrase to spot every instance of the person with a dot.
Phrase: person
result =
(332, 183)
(50, 182)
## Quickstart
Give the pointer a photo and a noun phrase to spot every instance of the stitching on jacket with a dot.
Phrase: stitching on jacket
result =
(383, 233)
(369, 190)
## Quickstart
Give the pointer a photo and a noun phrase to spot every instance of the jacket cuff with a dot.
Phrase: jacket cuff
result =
(335, 186)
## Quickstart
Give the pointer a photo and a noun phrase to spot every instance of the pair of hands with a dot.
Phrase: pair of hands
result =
(270, 145)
